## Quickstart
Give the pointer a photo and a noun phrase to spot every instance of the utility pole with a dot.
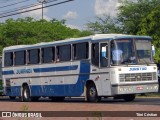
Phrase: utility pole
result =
(42, 1)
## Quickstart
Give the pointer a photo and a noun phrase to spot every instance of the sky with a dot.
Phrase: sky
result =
(77, 13)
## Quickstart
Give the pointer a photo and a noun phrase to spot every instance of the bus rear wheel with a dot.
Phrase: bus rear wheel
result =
(92, 93)
(26, 94)
(129, 98)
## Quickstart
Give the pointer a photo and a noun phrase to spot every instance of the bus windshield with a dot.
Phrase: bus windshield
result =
(127, 52)
(143, 50)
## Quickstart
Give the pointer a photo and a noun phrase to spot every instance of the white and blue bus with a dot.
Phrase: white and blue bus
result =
(80, 67)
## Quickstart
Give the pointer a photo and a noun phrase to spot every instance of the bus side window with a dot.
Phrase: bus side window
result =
(34, 56)
(81, 51)
(48, 54)
(104, 55)
(20, 58)
(8, 59)
(63, 53)
(95, 54)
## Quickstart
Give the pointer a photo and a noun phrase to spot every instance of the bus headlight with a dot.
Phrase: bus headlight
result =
(153, 87)
(154, 68)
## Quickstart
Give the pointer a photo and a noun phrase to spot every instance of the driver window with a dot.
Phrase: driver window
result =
(104, 55)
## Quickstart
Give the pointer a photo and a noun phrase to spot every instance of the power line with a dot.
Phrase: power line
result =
(44, 1)
(36, 8)
(24, 7)
(13, 4)
(17, 9)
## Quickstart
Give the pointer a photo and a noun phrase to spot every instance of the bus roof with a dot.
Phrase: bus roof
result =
(74, 40)
(114, 36)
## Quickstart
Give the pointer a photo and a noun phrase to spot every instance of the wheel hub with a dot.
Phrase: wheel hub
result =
(92, 92)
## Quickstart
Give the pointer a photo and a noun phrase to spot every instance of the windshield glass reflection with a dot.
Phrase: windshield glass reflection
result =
(125, 51)
(143, 49)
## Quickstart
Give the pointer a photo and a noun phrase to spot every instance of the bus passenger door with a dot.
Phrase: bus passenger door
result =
(104, 70)
(100, 68)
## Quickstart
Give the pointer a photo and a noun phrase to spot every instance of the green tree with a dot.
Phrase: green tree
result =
(104, 24)
(132, 13)
(150, 25)
(31, 31)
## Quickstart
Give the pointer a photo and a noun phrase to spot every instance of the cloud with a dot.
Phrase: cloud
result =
(37, 14)
(108, 7)
(70, 15)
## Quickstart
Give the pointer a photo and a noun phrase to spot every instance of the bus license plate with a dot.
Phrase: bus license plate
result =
(139, 88)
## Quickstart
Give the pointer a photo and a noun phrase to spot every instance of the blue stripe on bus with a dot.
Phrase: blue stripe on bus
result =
(58, 90)
(48, 69)
(53, 69)
(9, 72)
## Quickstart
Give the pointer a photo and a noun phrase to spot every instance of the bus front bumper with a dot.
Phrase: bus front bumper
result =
(134, 89)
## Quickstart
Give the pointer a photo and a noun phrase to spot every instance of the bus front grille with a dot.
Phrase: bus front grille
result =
(131, 77)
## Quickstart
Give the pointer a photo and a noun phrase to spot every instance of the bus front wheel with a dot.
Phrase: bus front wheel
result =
(92, 93)
(129, 98)
(26, 94)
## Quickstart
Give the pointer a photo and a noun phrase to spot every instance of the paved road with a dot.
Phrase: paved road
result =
(78, 104)
(137, 101)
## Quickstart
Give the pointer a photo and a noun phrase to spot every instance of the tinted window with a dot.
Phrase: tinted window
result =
(20, 58)
(64, 53)
(48, 54)
(95, 54)
(8, 59)
(80, 51)
(34, 56)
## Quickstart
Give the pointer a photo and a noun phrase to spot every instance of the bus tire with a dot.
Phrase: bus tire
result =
(26, 94)
(12, 97)
(92, 93)
(129, 98)
(57, 99)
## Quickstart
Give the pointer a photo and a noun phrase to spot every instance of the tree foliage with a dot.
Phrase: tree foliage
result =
(131, 13)
(31, 31)
(104, 24)
(150, 25)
